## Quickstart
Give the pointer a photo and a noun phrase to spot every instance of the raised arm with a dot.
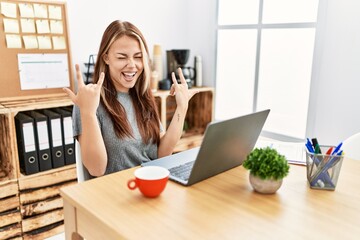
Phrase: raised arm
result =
(93, 152)
(182, 96)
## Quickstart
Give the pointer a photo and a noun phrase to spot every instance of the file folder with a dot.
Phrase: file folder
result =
(42, 140)
(67, 135)
(68, 108)
(25, 136)
(55, 135)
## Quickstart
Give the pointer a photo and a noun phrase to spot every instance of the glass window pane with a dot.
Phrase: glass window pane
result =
(232, 12)
(289, 11)
(235, 72)
(284, 79)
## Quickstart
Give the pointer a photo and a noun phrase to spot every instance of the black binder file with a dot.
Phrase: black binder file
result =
(42, 140)
(55, 135)
(25, 136)
(67, 133)
(68, 108)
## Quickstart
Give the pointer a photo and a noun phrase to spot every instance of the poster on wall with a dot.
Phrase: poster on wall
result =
(43, 71)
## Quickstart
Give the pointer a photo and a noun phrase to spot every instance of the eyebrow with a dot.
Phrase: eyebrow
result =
(124, 54)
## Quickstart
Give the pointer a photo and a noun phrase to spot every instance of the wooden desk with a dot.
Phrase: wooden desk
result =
(222, 207)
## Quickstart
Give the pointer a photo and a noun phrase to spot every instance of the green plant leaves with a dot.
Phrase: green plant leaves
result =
(267, 163)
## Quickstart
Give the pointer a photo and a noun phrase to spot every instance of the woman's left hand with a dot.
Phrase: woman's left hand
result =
(181, 90)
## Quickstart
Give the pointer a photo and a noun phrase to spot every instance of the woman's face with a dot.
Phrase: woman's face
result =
(125, 62)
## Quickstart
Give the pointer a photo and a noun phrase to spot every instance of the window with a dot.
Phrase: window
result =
(264, 60)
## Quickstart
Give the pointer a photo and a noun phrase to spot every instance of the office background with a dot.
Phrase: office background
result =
(334, 96)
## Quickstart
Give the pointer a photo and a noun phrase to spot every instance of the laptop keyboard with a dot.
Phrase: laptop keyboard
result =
(182, 171)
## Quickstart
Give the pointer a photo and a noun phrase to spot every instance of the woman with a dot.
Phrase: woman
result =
(115, 119)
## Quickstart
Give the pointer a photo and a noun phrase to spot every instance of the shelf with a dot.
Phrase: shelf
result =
(8, 164)
(198, 116)
(10, 224)
(200, 111)
(47, 178)
(189, 139)
(30, 205)
(41, 205)
(166, 93)
(36, 103)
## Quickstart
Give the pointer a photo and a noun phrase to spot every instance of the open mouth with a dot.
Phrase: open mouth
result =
(129, 76)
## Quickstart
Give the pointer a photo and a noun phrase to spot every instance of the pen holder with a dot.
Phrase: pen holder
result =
(323, 170)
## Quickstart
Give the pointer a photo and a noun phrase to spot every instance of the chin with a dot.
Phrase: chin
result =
(129, 85)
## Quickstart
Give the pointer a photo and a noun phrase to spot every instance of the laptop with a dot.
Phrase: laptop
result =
(225, 145)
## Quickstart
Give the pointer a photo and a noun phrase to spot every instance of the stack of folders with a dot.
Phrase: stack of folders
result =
(45, 139)
(67, 135)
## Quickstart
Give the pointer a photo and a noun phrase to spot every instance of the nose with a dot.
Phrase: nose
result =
(131, 62)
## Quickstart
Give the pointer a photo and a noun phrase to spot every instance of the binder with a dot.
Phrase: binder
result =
(27, 151)
(55, 136)
(68, 108)
(67, 135)
(42, 140)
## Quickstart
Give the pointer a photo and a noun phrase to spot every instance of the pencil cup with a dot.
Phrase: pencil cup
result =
(323, 170)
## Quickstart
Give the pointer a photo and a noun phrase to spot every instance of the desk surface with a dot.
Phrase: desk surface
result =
(222, 207)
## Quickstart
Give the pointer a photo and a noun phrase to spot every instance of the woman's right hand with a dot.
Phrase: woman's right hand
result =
(88, 96)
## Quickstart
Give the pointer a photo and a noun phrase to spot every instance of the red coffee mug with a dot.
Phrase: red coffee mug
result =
(150, 180)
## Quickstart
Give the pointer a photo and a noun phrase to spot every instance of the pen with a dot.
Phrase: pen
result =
(309, 148)
(328, 152)
(317, 150)
(337, 149)
(316, 145)
(336, 157)
(323, 176)
(332, 162)
(309, 145)
(319, 162)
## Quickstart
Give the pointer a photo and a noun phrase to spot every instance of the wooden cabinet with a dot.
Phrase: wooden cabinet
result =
(30, 205)
(10, 218)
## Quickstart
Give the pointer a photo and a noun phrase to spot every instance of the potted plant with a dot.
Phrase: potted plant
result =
(267, 169)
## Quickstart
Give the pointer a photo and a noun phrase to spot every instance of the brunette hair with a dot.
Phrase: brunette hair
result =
(146, 112)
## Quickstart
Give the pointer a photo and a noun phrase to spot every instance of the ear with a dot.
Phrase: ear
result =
(106, 59)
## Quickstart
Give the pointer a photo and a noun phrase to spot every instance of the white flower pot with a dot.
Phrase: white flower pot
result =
(264, 186)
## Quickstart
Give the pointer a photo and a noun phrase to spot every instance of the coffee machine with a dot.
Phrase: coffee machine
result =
(178, 58)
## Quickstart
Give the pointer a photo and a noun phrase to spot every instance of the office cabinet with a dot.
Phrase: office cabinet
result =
(10, 218)
(30, 205)
(32, 79)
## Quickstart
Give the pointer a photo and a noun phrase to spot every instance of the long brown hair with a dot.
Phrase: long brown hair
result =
(146, 112)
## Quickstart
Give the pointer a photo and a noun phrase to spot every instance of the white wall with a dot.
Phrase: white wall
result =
(335, 100)
(172, 24)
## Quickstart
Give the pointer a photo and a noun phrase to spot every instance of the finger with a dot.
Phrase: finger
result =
(173, 77)
(70, 94)
(101, 79)
(172, 90)
(79, 77)
(182, 79)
